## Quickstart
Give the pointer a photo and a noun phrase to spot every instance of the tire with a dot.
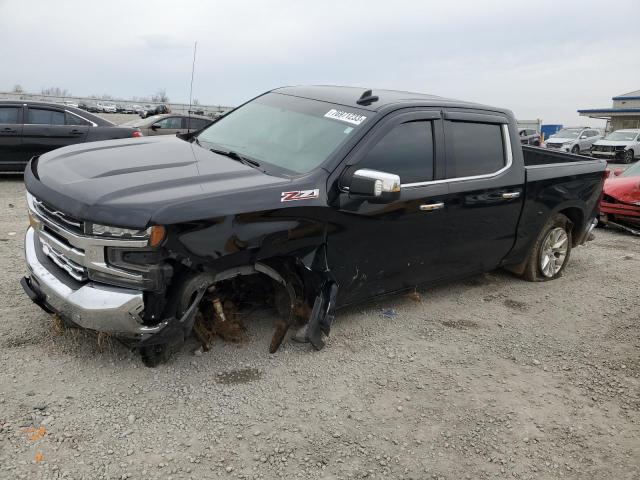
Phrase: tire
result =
(628, 156)
(550, 254)
(575, 150)
(536, 143)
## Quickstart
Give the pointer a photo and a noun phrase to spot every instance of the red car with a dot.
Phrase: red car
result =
(620, 205)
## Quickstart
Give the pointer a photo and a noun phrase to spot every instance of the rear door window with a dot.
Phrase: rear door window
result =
(473, 148)
(9, 114)
(41, 116)
(407, 151)
(194, 123)
(171, 123)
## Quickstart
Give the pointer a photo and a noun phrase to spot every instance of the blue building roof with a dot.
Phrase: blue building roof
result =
(610, 110)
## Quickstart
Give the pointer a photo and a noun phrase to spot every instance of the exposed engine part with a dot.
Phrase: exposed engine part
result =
(217, 318)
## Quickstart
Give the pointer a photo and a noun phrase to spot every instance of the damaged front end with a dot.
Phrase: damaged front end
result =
(153, 298)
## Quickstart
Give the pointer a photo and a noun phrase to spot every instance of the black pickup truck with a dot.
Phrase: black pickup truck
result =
(311, 198)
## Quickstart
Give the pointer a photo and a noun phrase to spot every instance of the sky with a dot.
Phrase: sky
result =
(542, 59)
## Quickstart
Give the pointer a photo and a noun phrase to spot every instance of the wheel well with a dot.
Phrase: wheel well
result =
(577, 220)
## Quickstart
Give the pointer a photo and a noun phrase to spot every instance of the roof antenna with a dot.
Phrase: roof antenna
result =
(193, 67)
(367, 98)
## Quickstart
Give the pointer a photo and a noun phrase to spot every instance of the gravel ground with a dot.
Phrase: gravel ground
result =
(492, 377)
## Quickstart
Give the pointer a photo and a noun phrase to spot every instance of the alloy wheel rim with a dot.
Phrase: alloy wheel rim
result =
(554, 252)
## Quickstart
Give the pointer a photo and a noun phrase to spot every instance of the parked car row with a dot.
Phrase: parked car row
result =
(623, 145)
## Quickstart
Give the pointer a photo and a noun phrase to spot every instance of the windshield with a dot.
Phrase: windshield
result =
(567, 133)
(296, 134)
(633, 171)
(624, 136)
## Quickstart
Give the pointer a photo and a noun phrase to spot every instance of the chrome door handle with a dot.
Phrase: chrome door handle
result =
(509, 195)
(430, 207)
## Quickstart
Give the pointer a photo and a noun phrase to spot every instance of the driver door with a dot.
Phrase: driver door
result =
(375, 248)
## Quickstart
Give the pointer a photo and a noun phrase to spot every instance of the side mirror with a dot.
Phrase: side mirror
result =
(379, 187)
(155, 126)
(618, 171)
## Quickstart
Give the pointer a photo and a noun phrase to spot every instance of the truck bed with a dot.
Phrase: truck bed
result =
(544, 156)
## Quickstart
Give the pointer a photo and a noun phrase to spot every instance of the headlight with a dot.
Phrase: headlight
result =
(154, 234)
(566, 144)
(109, 231)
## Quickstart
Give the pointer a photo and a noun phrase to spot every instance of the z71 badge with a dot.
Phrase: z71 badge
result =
(299, 195)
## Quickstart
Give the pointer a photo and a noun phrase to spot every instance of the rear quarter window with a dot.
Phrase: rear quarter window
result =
(473, 149)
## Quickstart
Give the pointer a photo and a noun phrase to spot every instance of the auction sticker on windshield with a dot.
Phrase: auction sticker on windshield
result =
(349, 117)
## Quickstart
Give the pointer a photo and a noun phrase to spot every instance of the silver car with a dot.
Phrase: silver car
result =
(575, 140)
(169, 124)
(529, 136)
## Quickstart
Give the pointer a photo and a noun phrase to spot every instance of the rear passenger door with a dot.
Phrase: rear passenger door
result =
(47, 128)
(485, 191)
(11, 135)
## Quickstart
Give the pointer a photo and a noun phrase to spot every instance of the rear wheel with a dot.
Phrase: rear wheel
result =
(550, 254)
(628, 156)
(575, 150)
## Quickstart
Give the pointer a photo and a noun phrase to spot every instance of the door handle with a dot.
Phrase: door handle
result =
(76, 132)
(510, 195)
(9, 130)
(430, 207)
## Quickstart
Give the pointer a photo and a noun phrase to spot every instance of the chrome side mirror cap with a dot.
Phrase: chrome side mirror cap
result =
(373, 183)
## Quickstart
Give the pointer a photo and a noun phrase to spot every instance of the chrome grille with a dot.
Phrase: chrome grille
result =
(60, 259)
(59, 218)
(554, 145)
(81, 256)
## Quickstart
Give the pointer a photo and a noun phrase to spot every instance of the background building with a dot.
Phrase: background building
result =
(625, 112)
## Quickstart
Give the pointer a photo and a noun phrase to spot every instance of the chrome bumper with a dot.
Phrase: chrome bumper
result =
(94, 306)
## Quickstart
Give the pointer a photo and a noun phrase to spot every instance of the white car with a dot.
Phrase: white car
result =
(70, 103)
(109, 108)
(619, 145)
(575, 140)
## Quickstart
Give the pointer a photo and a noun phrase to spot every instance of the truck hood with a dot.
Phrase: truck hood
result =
(141, 181)
(623, 189)
(613, 143)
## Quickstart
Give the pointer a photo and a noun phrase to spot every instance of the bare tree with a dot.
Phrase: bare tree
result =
(55, 92)
(160, 96)
(17, 88)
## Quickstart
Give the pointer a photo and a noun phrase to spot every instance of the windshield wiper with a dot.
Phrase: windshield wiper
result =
(236, 156)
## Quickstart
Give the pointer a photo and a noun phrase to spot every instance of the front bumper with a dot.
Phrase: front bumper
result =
(91, 305)
(607, 155)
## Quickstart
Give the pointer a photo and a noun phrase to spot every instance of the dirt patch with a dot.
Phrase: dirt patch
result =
(460, 324)
(234, 377)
